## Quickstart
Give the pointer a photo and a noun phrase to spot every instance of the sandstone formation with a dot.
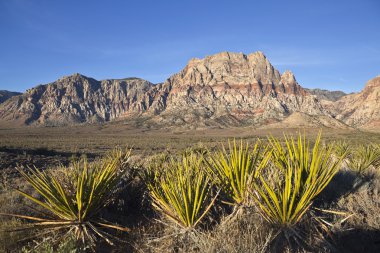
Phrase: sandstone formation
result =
(233, 89)
(222, 90)
(77, 99)
(361, 110)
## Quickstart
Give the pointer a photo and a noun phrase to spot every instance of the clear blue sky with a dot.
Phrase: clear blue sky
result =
(327, 44)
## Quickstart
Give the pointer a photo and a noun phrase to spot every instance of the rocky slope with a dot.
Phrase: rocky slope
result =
(76, 99)
(303, 120)
(225, 89)
(326, 94)
(361, 110)
(233, 89)
(5, 95)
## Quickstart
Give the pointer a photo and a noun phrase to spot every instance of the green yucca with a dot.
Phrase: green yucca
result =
(363, 157)
(341, 148)
(302, 173)
(182, 191)
(73, 204)
(236, 168)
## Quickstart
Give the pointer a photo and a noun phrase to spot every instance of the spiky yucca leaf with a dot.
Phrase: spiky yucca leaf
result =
(74, 207)
(236, 168)
(303, 173)
(341, 148)
(182, 191)
(363, 157)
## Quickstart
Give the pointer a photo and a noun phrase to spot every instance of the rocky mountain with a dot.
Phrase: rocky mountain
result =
(5, 95)
(222, 90)
(234, 89)
(362, 109)
(326, 94)
(77, 99)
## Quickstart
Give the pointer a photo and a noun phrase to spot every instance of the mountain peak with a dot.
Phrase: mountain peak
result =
(288, 77)
(232, 56)
(259, 54)
(375, 82)
(74, 76)
(228, 68)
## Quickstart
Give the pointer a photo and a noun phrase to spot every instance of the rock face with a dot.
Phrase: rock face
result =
(326, 94)
(77, 99)
(234, 89)
(361, 110)
(5, 95)
(226, 89)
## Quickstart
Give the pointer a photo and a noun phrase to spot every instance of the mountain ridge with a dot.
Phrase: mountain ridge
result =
(221, 90)
(5, 95)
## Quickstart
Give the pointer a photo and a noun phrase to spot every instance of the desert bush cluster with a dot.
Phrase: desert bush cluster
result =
(273, 195)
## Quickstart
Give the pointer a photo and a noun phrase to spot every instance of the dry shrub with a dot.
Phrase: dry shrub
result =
(364, 203)
(360, 232)
(247, 233)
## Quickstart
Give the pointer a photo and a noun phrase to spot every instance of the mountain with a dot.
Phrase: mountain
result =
(326, 94)
(77, 99)
(221, 90)
(5, 95)
(361, 110)
(233, 89)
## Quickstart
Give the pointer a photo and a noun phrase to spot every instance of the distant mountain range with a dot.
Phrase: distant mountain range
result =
(5, 95)
(326, 94)
(222, 90)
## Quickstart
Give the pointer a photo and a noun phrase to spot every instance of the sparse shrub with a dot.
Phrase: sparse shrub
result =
(182, 191)
(235, 169)
(363, 204)
(65, 245)
(246, 233)
(74, 204)
(361, 231)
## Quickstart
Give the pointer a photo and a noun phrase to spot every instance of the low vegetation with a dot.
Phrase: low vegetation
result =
(182, 191)
(299, 173)
(236, 169)
(295, 195)
(363, 158)
(70, 204)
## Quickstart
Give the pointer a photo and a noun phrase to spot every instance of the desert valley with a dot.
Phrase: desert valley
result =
(189, 126)
(210, 102)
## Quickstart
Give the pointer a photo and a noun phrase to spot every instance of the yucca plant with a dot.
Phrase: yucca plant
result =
(363, 157)
(235, 169)
(302, 173)
(182, 191)
(73, 205)
(341, 148)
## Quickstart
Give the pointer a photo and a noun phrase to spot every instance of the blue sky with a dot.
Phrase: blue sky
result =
(327, 44)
